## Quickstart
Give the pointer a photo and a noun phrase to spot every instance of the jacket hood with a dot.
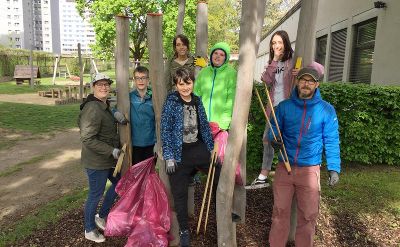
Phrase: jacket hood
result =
(89, 98)
(223, 46)
(315, 99)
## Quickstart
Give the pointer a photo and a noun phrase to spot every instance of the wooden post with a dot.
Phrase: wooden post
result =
(80, 73)
(122, 80)
(154, 39)
(181, 16)
(304, 48)
(55, 71)
(249, 39)
(201, 31)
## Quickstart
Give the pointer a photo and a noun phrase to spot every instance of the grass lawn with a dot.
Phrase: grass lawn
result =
(38, 119)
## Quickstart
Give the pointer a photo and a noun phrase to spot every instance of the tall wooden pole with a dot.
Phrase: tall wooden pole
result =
(154, 39)
(249, 39)
(201, 31)
(122, 80)
(304, 48)
(181, 16)
(80, 72)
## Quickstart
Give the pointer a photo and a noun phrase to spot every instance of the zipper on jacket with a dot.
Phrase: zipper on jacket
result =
(211, 95)
(301, 132)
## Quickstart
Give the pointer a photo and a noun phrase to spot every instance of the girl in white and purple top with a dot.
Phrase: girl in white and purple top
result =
(278, 76)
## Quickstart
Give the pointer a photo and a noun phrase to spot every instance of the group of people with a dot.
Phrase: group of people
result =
(307, 123)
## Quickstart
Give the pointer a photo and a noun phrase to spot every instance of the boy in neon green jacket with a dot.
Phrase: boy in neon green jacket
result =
(216, 85)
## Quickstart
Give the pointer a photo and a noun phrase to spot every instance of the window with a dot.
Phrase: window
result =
(336, 62)
(363, 51)
(320, 53)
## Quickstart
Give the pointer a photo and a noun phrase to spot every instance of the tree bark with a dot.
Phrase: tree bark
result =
(304, 48)
(156, 62)
(181, 16)
(249, 39)
(122, 80)
(201, 31)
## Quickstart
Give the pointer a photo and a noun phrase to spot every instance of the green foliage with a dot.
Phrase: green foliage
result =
(368, 123)
(11, 57)
(170, 15)
(38, 118)
(103, 20)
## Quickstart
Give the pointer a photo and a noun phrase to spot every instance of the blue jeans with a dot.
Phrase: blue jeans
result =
(97, 183)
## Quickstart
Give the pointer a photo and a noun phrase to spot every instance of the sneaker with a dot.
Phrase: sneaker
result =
(100, 222)
(95, 236)
(259, 183)
(185, 238)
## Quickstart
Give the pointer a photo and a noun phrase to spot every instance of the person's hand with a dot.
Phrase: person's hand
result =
(333, 178)
(278, 144)
(121, 119)
(200, 61)
(170, 166)
(295, 72)
(115, 153)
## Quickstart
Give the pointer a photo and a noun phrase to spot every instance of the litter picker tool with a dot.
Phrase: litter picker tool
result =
(120, 160)
(208, 189)
(285, 157)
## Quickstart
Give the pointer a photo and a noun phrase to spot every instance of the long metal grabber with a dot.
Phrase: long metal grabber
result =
(210, 176)
(287, 164)
(117, 168)
(214, 157)
(270, 127)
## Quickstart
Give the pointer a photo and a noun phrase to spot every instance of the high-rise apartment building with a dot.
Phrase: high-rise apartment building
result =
(55, 27)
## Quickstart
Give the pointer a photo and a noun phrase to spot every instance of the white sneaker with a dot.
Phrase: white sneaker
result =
(100, 222)
(95, 236)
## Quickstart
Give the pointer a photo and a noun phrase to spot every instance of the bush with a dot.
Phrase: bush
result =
(369, 128)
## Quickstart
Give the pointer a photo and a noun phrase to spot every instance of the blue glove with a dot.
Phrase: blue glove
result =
(333, 178)
(121, 119)
(170, 166)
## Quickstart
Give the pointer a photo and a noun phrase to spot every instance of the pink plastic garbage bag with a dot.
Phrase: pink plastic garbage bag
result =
(221, 137)
(142, 212)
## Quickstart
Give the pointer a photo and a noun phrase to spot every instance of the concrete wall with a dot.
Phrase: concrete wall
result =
(335, 15)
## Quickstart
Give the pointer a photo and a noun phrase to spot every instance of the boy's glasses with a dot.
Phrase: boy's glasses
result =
(140, 78)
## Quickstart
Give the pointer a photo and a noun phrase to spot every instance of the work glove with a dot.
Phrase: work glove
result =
(170, 166)
(278, 144)
(200, 61)
(115, 153)
(121, 119)
(333, 178)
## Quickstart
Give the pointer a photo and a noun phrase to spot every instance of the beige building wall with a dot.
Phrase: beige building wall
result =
(336, 15)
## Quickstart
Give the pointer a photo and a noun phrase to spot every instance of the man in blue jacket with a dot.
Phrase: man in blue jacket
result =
(308, 125)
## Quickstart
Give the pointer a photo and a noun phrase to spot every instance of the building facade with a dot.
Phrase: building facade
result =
(356, 40)
(54, 25)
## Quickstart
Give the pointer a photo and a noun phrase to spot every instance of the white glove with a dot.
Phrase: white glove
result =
(120, 118)
(115, 153)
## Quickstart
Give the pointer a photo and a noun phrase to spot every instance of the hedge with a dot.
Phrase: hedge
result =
(369, 123)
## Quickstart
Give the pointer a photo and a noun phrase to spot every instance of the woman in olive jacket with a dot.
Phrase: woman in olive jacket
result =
(100, 142)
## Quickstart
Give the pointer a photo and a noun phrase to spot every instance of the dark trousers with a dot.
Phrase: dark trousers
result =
(141, 153)
(179, 187)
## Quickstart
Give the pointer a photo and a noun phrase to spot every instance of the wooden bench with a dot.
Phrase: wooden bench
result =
(22, 73)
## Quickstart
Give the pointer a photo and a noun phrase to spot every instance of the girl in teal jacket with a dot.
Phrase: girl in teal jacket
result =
(216, 85)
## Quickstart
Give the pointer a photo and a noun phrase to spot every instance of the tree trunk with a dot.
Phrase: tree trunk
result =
(304, 48)
(249, 38)
(181, 16)
(201, 31)
(122, 80)
(156, 62)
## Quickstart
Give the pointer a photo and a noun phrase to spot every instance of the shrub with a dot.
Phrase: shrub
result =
(369, 128)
